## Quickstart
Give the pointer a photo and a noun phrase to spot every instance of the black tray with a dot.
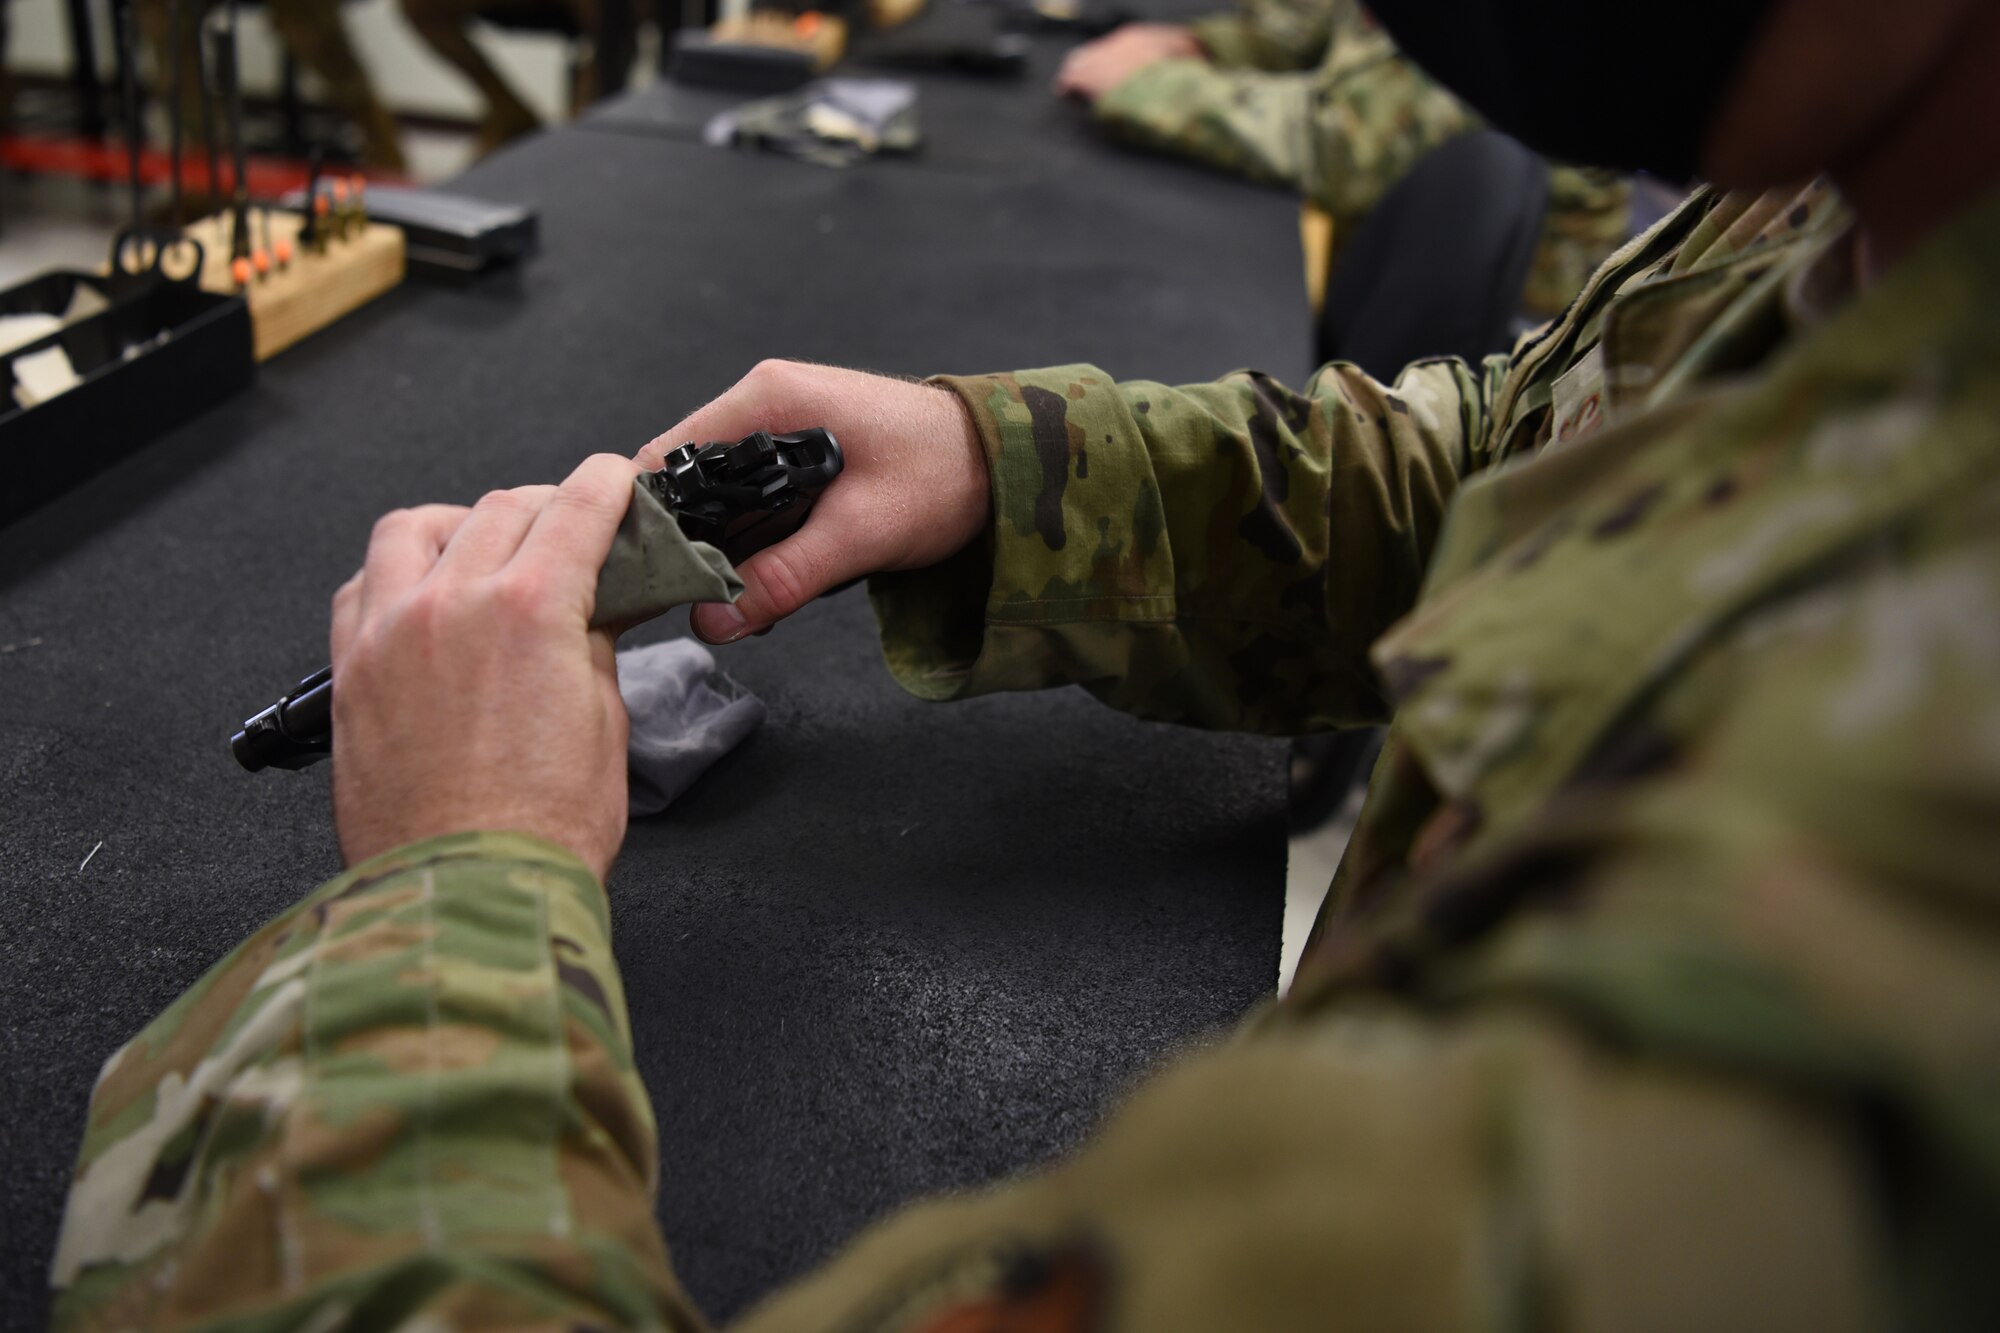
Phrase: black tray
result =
(49, 293)
(136, 385)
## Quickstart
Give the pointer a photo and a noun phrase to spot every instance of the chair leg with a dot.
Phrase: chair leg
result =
(83, 72)
(291, 108)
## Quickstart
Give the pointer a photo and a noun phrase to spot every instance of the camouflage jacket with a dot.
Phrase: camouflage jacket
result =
(1682, 854)
(1313, 94)
(1694, 673)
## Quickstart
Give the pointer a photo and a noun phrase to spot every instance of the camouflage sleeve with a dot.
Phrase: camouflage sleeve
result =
(1589, 217)
(1271, 34)
(408, 1102)
(1218, 554)
(1340, 137)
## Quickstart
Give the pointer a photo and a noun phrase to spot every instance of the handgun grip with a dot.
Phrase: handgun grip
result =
(295, 732)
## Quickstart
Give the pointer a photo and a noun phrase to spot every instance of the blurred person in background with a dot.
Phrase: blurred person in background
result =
(313, 34)
(1314, 95)
(447, 25)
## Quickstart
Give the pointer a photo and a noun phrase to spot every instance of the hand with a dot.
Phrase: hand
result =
(913, 489)
(1095, 68)
(469, 692)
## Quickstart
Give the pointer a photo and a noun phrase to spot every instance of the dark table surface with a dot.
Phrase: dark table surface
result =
(885, 948)
(1012, 127)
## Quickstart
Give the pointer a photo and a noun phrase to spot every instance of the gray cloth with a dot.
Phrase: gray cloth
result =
(834, 122)
(685, 716)
(653, 568)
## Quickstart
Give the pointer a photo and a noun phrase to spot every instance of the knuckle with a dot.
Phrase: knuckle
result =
(358, 665)
(528, 501)
(368, 647)
(773, 371)
(437, 514)
(521, 593)
(391, 523)
(426, 610)
(576, 502)
(603, 476)
(787, 579)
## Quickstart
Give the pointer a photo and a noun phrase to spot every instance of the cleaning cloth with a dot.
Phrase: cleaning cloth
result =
(653, 567)
(834, 122)
(685, 716)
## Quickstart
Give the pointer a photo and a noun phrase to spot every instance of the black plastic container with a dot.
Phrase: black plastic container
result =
(154, 360)
(50, 293)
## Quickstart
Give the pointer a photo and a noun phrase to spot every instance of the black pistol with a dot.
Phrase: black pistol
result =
(739, 498)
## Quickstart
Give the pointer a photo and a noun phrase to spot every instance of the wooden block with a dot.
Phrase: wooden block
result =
(893, 13)
(821, 36)
(315, 289)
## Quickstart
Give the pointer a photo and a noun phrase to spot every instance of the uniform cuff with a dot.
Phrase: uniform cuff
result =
(1138, 99)
(491, 846)
(1077, 535)
(1225, 39)
(484, 844)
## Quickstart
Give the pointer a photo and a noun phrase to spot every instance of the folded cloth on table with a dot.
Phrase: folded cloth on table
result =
(685, 716)
(834, 122)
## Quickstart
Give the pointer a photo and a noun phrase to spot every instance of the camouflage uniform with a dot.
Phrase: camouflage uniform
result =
(1314, 95)
(1658, 988)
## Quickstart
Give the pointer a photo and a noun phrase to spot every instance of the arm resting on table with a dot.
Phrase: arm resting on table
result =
(410, 1096)
(1217, 554)
(1340, 137)
(1270, 34)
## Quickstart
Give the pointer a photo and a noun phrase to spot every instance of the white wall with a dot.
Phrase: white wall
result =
(406, 75)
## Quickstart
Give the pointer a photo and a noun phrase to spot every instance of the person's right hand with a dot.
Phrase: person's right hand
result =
(913, 489)
(471, 692)
(1095, 68)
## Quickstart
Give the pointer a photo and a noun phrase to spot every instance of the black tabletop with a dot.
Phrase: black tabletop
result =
(989, 126)
(883, 949)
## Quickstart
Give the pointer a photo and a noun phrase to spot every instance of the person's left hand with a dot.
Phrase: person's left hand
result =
(1095, 68)
(913, 491)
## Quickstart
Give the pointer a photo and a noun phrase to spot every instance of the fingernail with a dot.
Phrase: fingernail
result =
(725, 624)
